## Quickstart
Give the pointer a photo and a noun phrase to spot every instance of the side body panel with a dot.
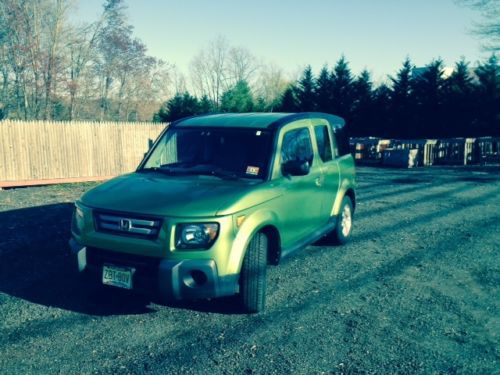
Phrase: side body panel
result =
(347, 181)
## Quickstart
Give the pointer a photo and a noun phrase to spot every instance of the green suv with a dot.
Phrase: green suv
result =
(215, 200)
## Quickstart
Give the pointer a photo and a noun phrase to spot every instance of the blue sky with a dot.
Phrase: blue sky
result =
(372, 34)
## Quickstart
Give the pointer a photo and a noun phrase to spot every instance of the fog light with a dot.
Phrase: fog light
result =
(199, 277)
(195, 278)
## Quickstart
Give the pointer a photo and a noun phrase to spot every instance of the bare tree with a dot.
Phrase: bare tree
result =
(55, 18)
(147, 90)
(21, 29)
(80, 50)
(161, 80)
(4, 68)
(114, 40)
(48, 65)
(219, 67)
(132, 65)
(178, 80)
(209, 69)
(489, 27)
(242, 65)
(271, 85)
(32, 32)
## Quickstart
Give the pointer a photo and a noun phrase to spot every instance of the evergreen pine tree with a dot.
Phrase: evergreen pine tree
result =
(289, 102)
(181, 105)
(237, 99)
(382, 111)
(306, 88)
(342, 89)
(459, 102)
(401, 123)
(323, 92)
(206, 106)
(362, 105)
(261, 105)
(429, 98)
(488, 96)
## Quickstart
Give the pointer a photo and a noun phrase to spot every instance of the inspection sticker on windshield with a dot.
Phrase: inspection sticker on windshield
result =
(253, 170)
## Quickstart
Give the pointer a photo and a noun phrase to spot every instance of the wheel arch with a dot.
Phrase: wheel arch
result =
(352, 195)
(263, 221)
(346, 189)
(273, 242)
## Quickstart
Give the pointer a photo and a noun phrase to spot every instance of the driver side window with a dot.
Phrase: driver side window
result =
(297, 146)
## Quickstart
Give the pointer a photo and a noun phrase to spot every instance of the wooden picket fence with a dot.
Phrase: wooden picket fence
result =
(42, 152)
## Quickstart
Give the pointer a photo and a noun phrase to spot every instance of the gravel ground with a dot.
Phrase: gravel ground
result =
(416, 291)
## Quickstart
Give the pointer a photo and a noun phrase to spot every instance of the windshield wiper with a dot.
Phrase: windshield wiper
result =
(149, 169)
(179, 164)
(221, 174)
(210, 170)
(163, 169)
(194, 170)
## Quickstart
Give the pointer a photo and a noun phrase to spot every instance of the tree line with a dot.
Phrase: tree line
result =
(415, 103)
(52, 67)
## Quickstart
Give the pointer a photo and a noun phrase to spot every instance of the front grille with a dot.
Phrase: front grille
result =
(146, 268)
(127, 225)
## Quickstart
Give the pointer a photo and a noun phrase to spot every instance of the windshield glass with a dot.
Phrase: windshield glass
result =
(221, 152)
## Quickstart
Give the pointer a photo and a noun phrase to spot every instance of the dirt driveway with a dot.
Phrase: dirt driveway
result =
(416, 291)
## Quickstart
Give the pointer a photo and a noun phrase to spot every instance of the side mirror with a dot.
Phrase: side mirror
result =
(296, 168)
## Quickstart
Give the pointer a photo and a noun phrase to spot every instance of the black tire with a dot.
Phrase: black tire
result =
(253, 275)
(339, 235)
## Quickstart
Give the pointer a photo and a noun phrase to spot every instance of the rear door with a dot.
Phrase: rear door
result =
(328, 166)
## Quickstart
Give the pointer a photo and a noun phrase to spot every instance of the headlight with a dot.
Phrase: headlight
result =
(79, 212)
(78, 219)
(196, 236)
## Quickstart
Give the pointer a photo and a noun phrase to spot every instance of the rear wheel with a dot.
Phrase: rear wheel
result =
(253, 275)
(343, 229)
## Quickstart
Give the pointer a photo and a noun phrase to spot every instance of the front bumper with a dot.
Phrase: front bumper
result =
(173, 279)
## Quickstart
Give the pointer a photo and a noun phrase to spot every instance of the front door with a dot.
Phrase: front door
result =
(300, 213)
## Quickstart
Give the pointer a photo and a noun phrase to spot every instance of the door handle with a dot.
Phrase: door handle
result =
(319, 181)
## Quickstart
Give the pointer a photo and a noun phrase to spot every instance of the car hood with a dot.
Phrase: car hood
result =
(180, 196)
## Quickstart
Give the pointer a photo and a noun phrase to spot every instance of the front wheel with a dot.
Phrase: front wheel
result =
(253, 275)
(343, 229)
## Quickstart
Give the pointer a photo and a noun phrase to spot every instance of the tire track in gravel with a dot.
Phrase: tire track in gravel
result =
(326, 305)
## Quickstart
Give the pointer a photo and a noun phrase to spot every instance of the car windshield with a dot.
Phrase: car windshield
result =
(226, 153)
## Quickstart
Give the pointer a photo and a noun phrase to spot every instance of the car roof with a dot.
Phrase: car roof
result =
(255, 120)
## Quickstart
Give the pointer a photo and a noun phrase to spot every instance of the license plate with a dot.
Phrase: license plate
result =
(120, 277)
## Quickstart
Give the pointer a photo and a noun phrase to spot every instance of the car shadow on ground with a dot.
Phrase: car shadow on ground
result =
(36, 266)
